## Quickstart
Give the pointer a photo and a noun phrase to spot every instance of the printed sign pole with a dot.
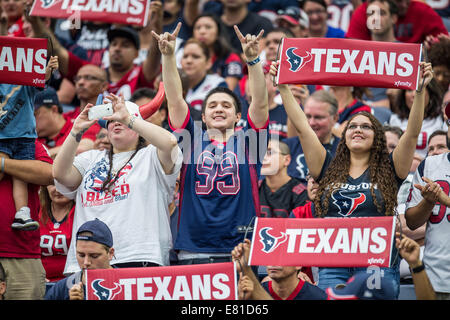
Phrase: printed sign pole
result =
(347, 62)
(216, 281)
(327, 242)
(23, 61)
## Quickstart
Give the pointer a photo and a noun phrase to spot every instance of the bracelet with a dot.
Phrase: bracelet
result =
(3, 165)
(132, 119)
(253, 62)
(418, 269)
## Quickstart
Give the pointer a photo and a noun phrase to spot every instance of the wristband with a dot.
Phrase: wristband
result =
(253, 62)
(418, 269)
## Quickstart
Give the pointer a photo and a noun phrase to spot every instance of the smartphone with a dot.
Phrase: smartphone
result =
(100, 111)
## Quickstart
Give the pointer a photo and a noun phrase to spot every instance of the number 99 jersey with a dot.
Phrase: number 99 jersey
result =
(55, 242)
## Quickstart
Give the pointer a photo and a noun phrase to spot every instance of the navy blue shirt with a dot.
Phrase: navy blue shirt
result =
(353, 198)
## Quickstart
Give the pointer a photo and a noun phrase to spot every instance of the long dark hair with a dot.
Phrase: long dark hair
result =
(110, 181)
(380, 171)
(46, 205)
(432, 110)
(221, 46)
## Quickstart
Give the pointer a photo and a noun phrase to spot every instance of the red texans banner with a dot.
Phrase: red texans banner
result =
(110, 11)
(346, 62)
(23, 61)
(328, 242)
(216, 281)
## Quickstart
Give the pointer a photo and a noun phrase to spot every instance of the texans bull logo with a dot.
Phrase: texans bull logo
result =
(104, 293)
(297, 62)
(47, 3)
(270, 242)
(347, 204)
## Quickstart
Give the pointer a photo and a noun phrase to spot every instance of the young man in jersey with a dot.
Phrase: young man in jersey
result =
(218, 187)
(278, 192)
(432, 176)
(94, 245)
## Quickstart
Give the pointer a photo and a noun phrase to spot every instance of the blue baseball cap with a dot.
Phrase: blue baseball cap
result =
(47, 96)
(363, 286)
(100, 232)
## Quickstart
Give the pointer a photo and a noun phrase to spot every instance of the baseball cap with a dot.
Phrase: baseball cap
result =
(100, 232)
(362, 287)
(294, 15)
(47, 96)
(125, 32)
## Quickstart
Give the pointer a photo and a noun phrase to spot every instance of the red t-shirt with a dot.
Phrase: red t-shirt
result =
(55, 242)
(16, 243)
(58, 140)
(419, 22)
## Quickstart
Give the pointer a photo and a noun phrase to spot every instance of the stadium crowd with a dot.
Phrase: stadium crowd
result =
(204, 70)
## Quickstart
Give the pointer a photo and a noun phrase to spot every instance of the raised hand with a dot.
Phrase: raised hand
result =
(249, 43)
(241, 253)
(52, 65)
(166, 41)
(120, 113)
(425, 74)
(82, 122)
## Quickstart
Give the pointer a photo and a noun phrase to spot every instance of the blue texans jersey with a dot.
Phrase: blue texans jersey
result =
(218, 187)
(303, 291)
(298, 168)
(353, 198)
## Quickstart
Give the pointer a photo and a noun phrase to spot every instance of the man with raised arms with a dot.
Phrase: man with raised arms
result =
(218, 187)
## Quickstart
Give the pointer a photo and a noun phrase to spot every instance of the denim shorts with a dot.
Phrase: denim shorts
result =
(330, 277)
(18, 148)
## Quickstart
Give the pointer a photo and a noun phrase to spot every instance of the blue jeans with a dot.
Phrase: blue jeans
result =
(330, 277)
(18, 148)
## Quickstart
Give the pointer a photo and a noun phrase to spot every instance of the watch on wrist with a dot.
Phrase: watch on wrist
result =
(418, 269)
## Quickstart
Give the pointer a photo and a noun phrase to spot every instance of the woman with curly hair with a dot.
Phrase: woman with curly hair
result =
(433, 119)
(363, 178)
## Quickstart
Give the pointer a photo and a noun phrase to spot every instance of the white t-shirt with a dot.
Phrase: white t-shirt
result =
(136, 209)
(436, 256)
(428, 127)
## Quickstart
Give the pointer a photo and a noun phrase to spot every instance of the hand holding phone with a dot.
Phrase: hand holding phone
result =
(100, 111)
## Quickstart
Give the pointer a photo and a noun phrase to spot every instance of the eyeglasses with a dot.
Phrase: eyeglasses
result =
(318, 12)
(86, 77)
(363, 127)
(270, 152)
